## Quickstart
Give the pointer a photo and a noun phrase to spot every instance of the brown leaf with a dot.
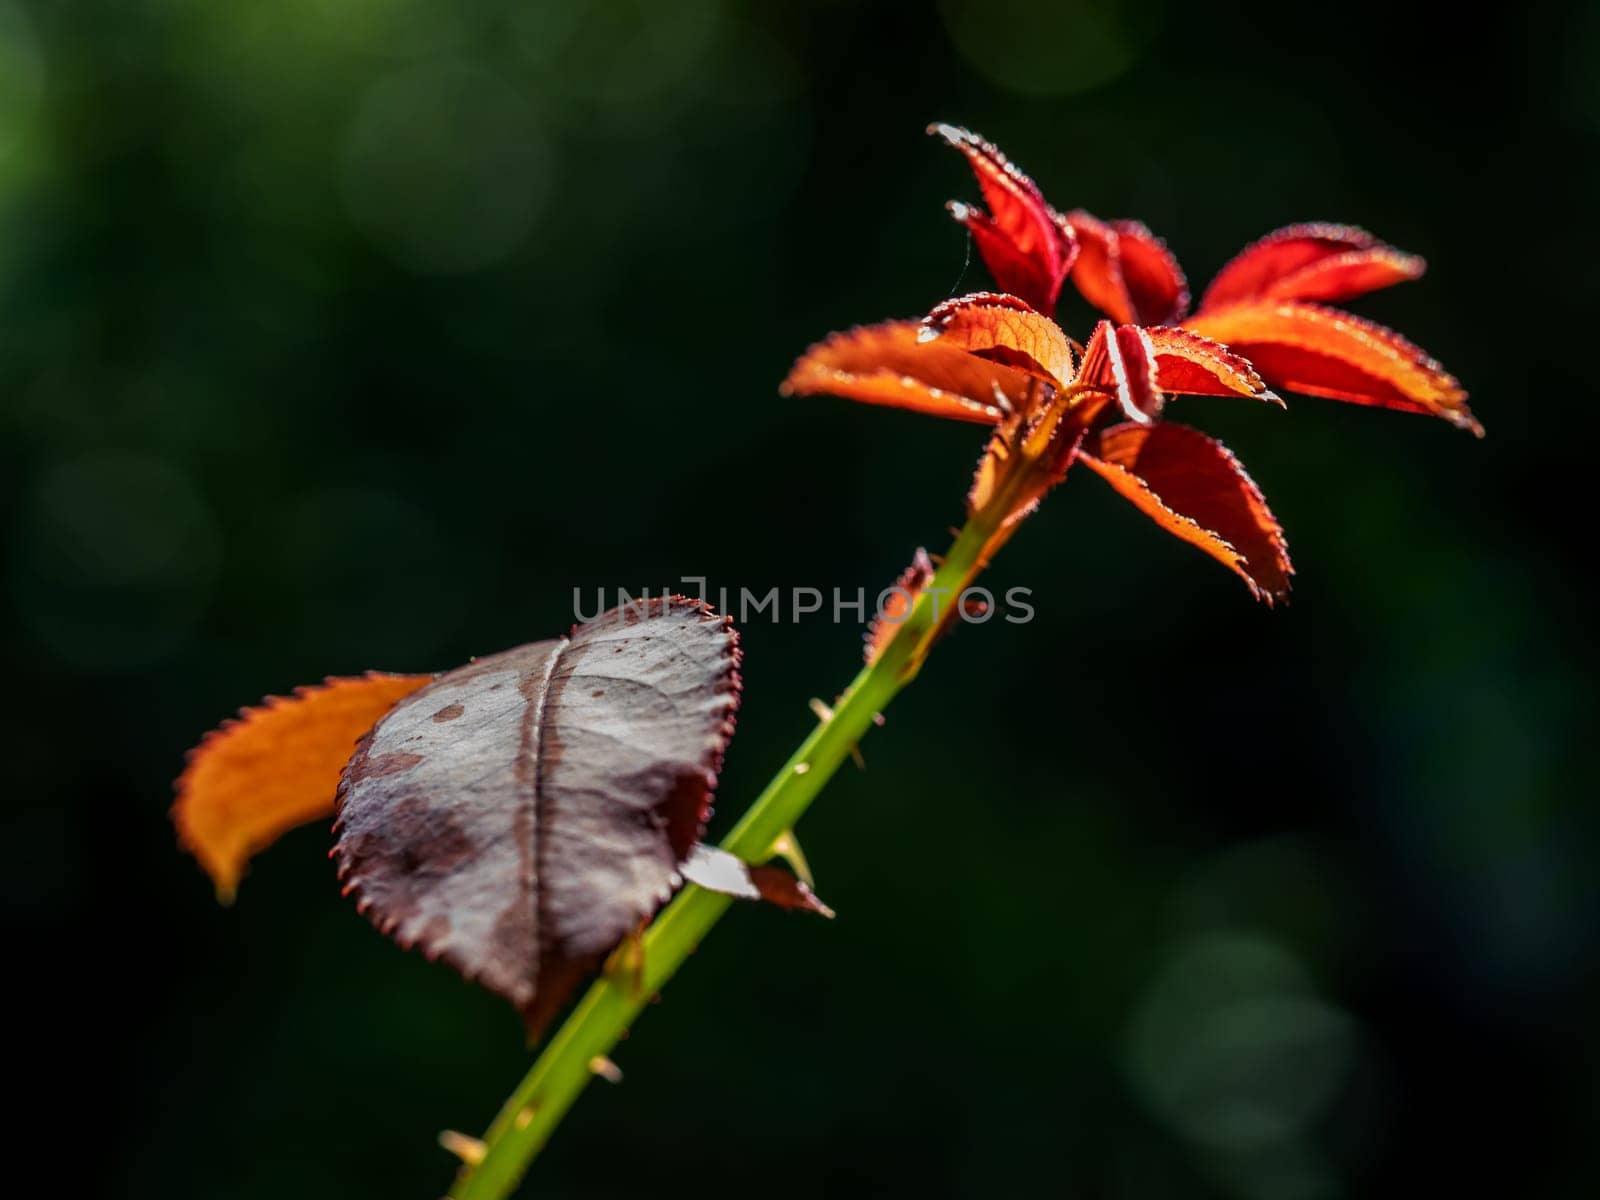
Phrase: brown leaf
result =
(275, 768)
(718, 871)
(521, 815)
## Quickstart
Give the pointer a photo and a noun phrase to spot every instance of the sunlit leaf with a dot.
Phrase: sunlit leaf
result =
(1003, 329)
(1127, 272)
(890, 364)
(1311, 262)
(275, 768)
(1192, 365)
(1123, 359)
(1324, 352)
(1027, 455)
(1195, 489)
(1027, 245)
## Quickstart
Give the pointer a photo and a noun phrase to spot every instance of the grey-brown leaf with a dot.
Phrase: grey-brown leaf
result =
(521, 815)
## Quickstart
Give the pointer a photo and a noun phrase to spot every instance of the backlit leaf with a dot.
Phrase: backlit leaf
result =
(1311, 262)
(1122, 358)
(275, 768)
(1027, 245)
(1005, 330)
(890, 364)
(1127, 272)
(1027, 455)
(1194, 488)
(1324, 352)
(1188, 364)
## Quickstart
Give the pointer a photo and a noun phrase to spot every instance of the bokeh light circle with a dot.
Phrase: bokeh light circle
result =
(445, 167)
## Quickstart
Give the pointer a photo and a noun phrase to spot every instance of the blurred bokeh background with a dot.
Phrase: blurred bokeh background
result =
(339, 334)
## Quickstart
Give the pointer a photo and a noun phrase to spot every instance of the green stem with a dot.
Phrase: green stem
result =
(611, 1005)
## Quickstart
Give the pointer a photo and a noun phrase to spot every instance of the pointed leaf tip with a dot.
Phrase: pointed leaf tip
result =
(899, 598)
(274, 768)
(716, 870)
(1028, 247)
(1319, 351)
(1195, 489)
(1189, 364)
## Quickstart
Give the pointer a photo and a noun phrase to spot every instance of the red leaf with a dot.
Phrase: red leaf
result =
(274, 769)
(1325, 352)
(1122, 359)
(1127, 272)
(1195, 489)
(897, 606)
(1311, 262)
(1027, 245)
(1005, 330)
(521, 815)
(891, 364)
(1191, 365)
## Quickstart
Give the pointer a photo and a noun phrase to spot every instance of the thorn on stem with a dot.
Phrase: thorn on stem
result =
(787, 847)
(606, 1069)
(524, 1117)
(823, 712)
(626, 964)
(468, 1149)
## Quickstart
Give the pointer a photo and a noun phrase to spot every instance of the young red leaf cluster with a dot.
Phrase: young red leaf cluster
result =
(1264, 323)
(516, 817)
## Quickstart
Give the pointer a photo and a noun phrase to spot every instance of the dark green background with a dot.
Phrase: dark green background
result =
(339, 334)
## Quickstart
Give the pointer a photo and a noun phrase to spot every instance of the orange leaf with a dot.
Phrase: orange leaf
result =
(1003, 329)
(890, 364)
(1325, 352)
(1027, 245)
(1127, 272)
(1191, 365)
(1123, 360)
(276, 767)
(1042, 445)
(1195, 489)
(1311, 262)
